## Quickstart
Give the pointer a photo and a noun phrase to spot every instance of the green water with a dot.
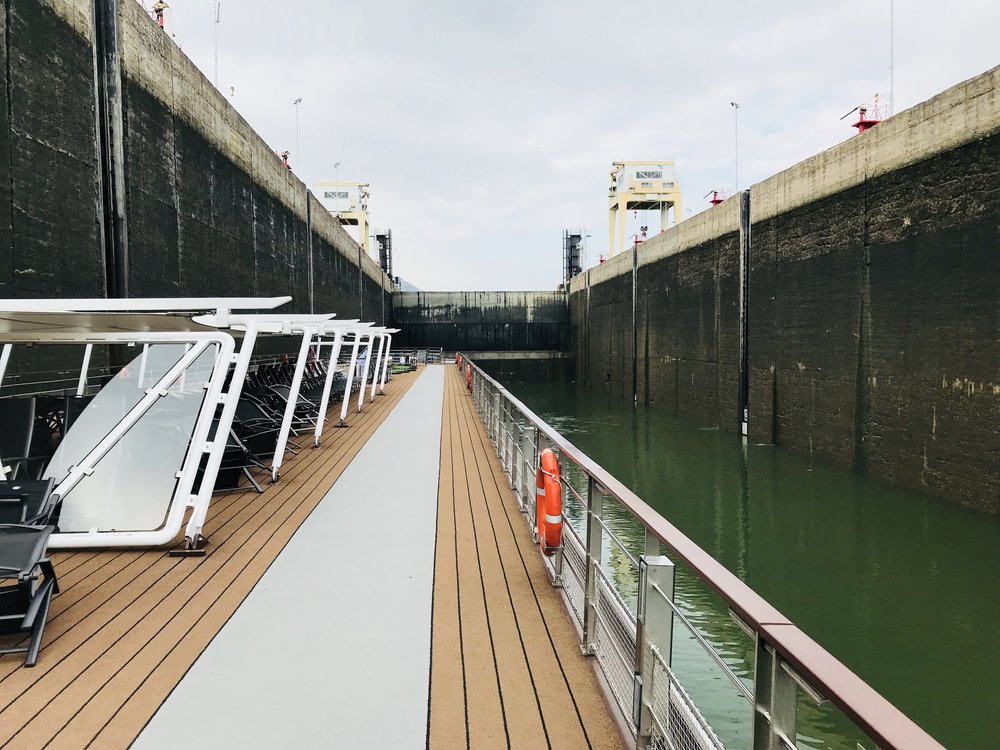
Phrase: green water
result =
(901, 587)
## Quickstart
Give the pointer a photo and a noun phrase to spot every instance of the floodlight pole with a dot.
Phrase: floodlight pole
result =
(218, 20)
(892, 59)
(298, 152)
(736, 142)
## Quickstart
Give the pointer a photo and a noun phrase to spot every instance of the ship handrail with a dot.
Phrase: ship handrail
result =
(799, 655)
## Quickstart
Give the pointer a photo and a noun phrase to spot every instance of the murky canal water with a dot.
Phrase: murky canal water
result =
(901, 587)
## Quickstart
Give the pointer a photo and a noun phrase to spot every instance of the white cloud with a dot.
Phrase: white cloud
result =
(485, 129)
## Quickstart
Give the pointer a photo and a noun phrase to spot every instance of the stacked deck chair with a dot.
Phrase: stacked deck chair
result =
(28, 511)
(237, 460)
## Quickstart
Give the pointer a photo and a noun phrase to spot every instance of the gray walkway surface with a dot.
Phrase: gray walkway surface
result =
(331, 649)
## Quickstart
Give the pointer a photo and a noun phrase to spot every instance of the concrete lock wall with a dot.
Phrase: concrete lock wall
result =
(49, 188)
(872, 336)
(483, 321)
(131, 175)
(211, 208)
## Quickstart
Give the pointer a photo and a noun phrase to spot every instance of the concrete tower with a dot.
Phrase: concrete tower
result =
(640, 186)
(348, 202)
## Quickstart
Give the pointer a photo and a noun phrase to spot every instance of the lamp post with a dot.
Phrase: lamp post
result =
(218, 20)
(736, 142)
(892, 55)
(298, 151)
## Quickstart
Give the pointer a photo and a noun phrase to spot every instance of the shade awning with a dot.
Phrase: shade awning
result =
(19, 326)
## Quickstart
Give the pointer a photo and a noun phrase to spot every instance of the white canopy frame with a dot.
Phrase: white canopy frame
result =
(336, 345)
(366, 337)
(386, 343)
(99, 321)
(307, 327)
(359, 336)
(198, 323)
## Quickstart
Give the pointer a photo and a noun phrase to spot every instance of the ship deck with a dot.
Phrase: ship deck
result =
(506, 666)
(385, 593)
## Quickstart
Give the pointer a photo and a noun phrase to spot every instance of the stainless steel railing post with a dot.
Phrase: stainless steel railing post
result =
(775, 693)
(505, 435)
(496, 418)
(527, 474)
(517, 475)
(654, 627)
(508, 429)
(595, 543)
(652, 544)
(514, 443)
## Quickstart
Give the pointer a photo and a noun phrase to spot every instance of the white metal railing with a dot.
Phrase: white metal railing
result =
(424, 355)
(620, 591)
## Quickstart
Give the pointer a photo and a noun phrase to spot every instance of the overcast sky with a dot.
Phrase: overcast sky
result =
(485, 129)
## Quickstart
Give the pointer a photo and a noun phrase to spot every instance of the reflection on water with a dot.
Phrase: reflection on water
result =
(899, 586)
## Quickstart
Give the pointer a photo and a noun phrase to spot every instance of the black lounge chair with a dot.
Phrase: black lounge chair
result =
(28, 501)
(304, 411)
(256, 429)
(24, 599)
(17, 415)
(236, 463)
(72, 409)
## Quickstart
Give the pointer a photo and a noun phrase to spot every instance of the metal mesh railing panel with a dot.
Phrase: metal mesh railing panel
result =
(614, 644)
(677, 722)
(574, 570)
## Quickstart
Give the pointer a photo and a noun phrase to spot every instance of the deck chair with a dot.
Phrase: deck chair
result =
(234, 467)
(72, 409)
(17, 425)
(304, 412)
(24, 598)
(28, 501)
(255, 430)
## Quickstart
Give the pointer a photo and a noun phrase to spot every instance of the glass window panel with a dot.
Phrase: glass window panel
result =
(115, 399)
(131, 487)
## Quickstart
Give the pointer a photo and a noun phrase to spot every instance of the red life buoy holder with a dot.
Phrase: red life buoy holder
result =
(468, 377)
(549, 512)
(458, 361)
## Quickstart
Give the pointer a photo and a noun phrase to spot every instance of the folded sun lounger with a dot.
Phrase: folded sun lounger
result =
(27, 583)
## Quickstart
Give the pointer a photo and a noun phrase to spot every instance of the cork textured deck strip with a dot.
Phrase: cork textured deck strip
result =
(129, 623)
(346, 607)
(506, 668)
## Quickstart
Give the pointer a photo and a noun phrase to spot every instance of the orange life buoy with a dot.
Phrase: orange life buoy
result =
(550, 522)
(458, 360)
(468, 377)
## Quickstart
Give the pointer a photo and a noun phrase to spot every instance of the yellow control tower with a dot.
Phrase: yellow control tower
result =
(348, 202)
(640, 186)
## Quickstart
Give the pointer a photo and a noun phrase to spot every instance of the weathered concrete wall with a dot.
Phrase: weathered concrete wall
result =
(211, 209)
(208, 207)
(683, 326)
(873, 313)
(483, 321)
(526, 370)
(49, 185)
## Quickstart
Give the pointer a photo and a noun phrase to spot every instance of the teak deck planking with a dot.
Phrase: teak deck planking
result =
(506, 667)
(129, 623)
